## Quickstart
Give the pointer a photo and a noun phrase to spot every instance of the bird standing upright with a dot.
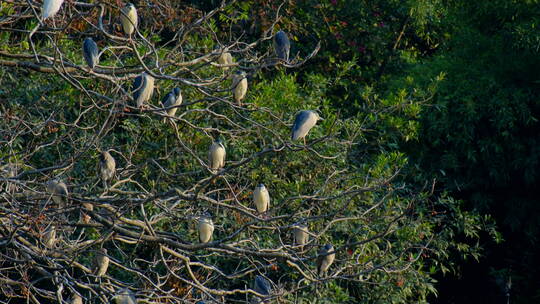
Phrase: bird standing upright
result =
(90, 52)
(282, 46)
(304, 121)
(261, 198)
(107, 167)
(324, 260)
(129, 18)
(216, 156)
(50, 8)
(125, 296)
(206, 228)
(240, 86)
(301, 235)
(226, 59)
(101, 262)
(143, 88)
(171, 101)
(262, 286)
(49, 237)
(59, 192)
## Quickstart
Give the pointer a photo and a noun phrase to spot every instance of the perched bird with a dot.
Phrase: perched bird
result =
(9, 171)
(172, 99)
(129, 19)
(125, 296)
(206, 228)
(324, 260)
(76, 299)
(49, 237)
(216, 155)
(59, 192)
(50, 8)
(225, 58)
(143, 88)
(101, 263)
(261, 198)
(304, 121)
(301, 235)
(282, 45)
(262, 286)
(107, 167)
(90, 52)
(240, 86)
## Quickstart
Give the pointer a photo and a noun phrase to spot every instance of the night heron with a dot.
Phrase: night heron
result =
(216, 156)
(143, 88)
(240, 86)
(129, 19)
(90, 52)
(282, 45)
(101, 262)
(301, 235)
(125, 296)
(59, 192)
(107, 167)
(262, 286)
(50, 8)
(76, 299)
(49, 237)
(9, 171)
(261, 198)
(304, 121)
(324, 260)
(171, 101)
(225, 59)
(206, 228)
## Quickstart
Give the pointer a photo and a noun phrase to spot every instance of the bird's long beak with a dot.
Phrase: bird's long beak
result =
(320, 118)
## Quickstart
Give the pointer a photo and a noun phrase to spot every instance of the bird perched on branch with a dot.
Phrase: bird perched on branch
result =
(263, 287)
(129, 18)
(59, 192)
(261, 198)
(282, 46)
(240, 86)
(50, 8)
(206, 228)
(76, 299)
(107, 167)
(226, 59)
(125, 296)
(49, 237)
(101, 263)
(301, 235)
(90, 52)
(325, 259)
(143, 88)
(304, 121)
(216, 156)
(172, 100)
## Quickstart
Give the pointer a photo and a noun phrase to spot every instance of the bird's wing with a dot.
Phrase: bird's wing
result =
(301, 119)
(137, 87)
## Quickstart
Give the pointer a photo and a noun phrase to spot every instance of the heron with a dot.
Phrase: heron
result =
(225, 59)
(325, 259)
(101, 262)
(90, 52)
(216, 155)
(125, 296)
(59, 192)
(143, 88)
(107, 167)
(76, 299)
(261, 198)
(262, 286)
(171, 101)
(49, 237)
(301, 235)
(129, 19)
(282, 46)
(206, 228)
(240, 86)
(304, 121)
(50, 8)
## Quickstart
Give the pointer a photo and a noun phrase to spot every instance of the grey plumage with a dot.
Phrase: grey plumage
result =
(59, 192)
(301, 235)
(325, 260)
(50, 8)
(240, 86)
(262, 286)
(206, 229)
(129, 18)
(107, 167)
(143, 88)
(90, 52)
(261, 198)
(125, 296)
(216, 156)
(171, 101)
(304, 121)
(101, 263)
(282, 45)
